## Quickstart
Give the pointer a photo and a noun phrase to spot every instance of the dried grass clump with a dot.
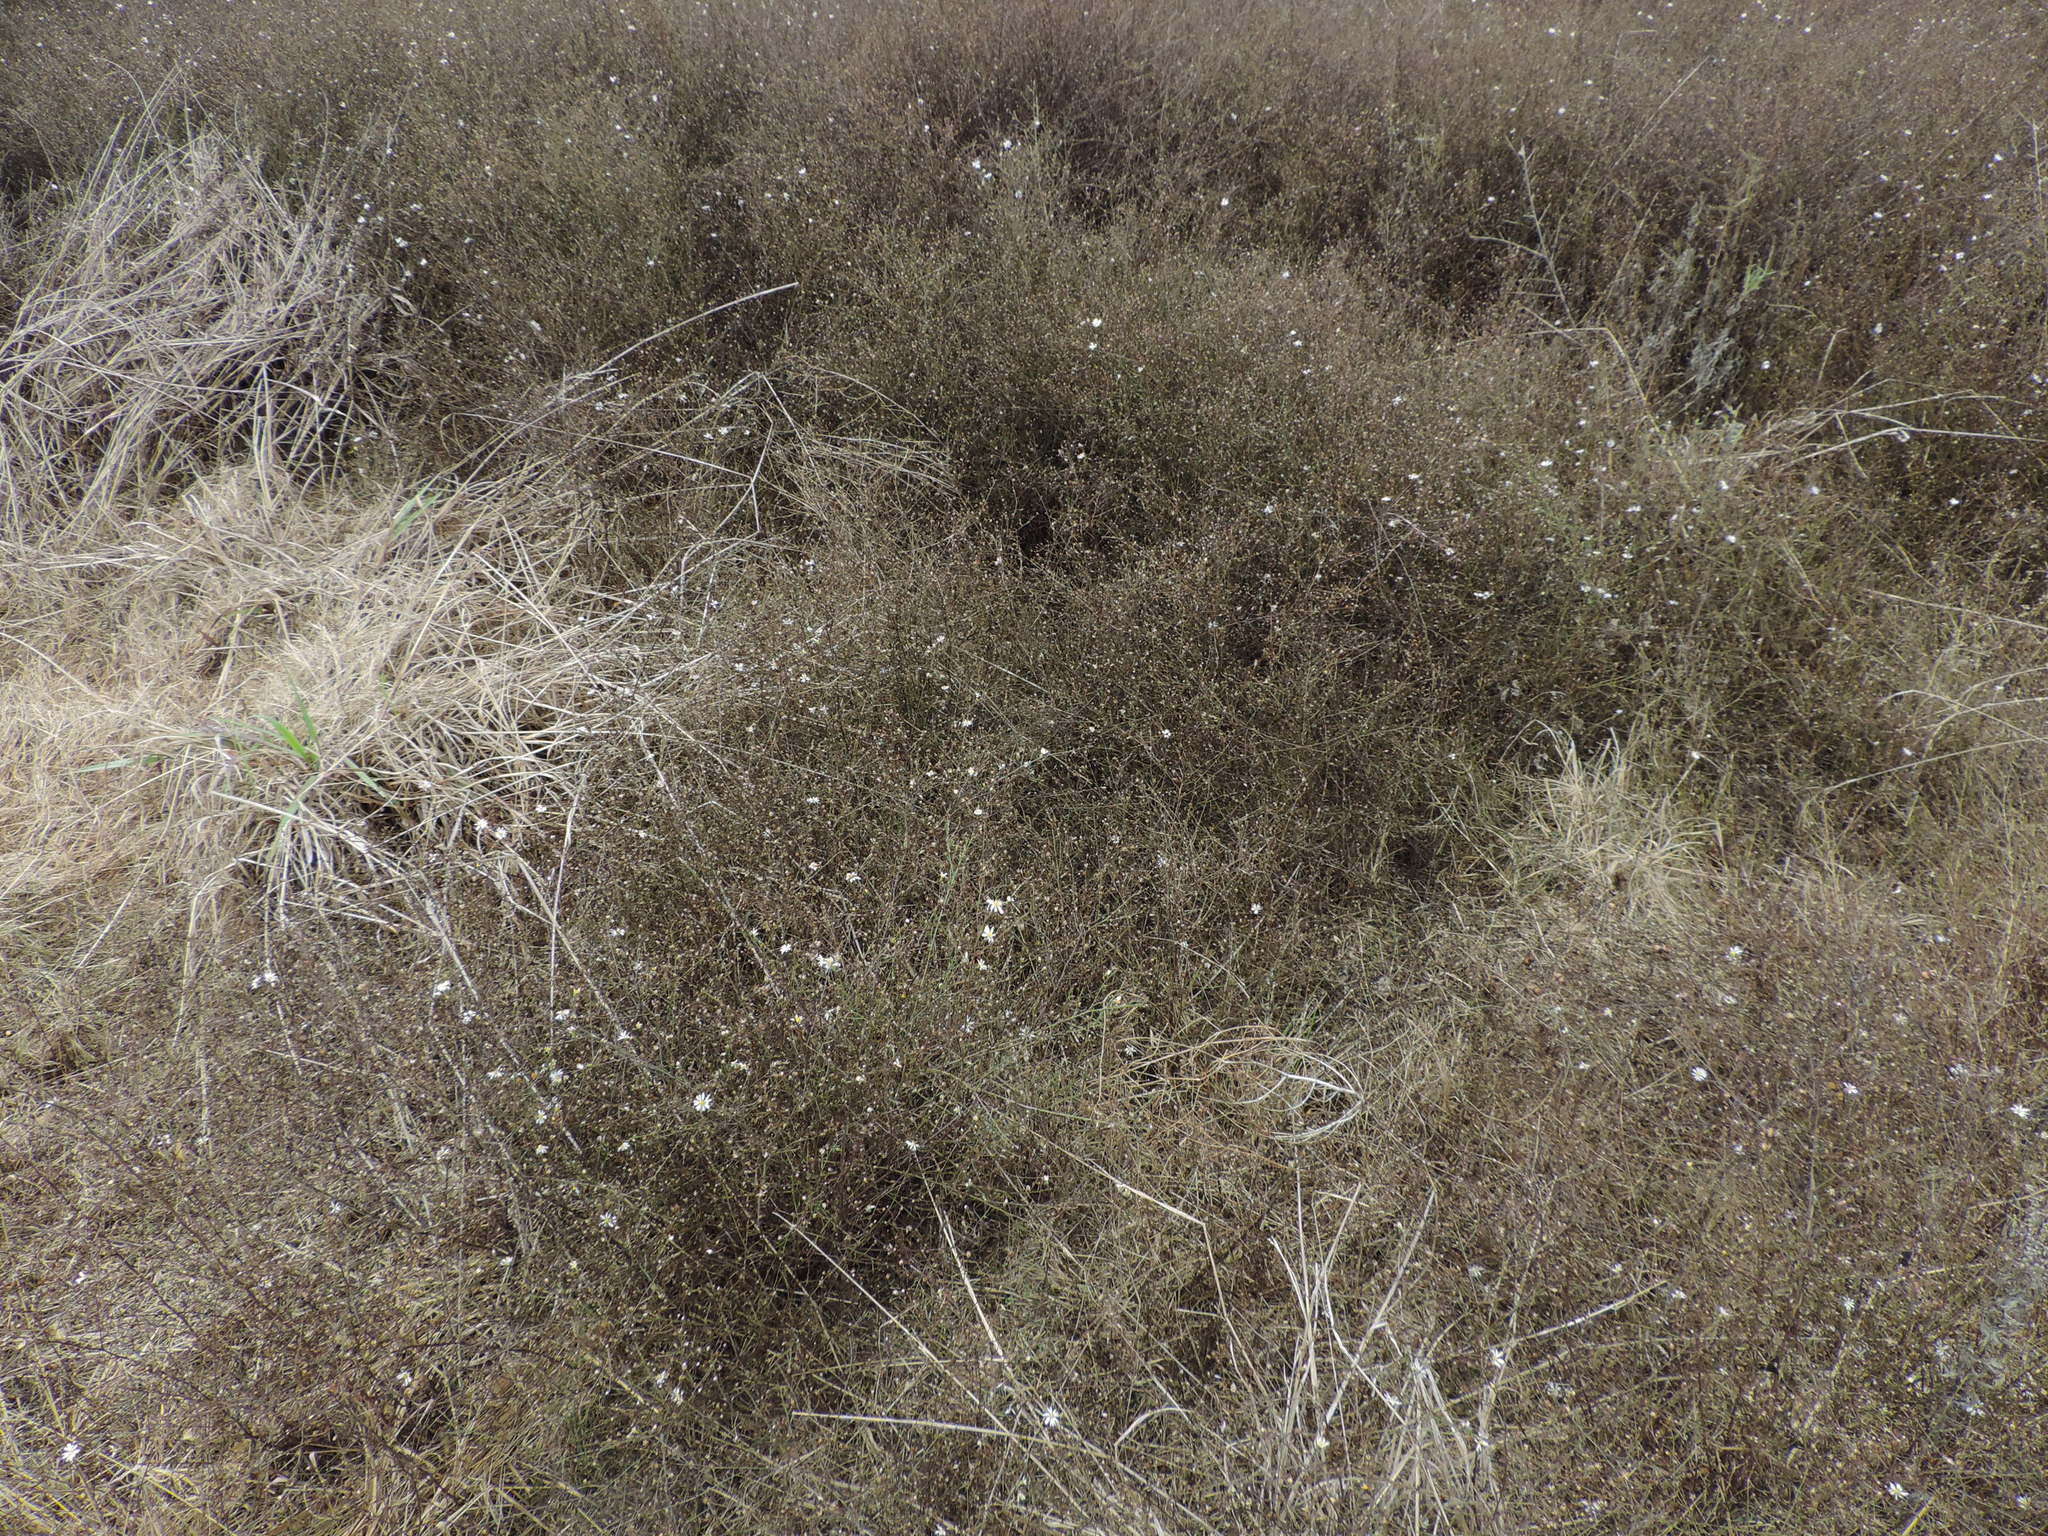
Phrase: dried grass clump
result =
(225, 658)
(303, 694)
(1594, 827)
(174, 311)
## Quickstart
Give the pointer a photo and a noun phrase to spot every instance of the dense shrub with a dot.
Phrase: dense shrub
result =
(990, 766)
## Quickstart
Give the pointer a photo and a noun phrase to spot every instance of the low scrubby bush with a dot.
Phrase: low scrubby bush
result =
(995, 767)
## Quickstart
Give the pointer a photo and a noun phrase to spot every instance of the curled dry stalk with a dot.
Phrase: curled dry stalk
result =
(1858, 421)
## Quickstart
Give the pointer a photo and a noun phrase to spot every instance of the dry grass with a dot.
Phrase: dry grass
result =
(974, 767)
(177, 314)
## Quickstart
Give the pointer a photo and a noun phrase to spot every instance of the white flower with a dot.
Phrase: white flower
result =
(988, 933)
(828, 962)
(996, 904)
(1699, 1074)
(2023, 1111)
(609, 1218)
(1049, 1417)
(701, 1103)
(70, 1452)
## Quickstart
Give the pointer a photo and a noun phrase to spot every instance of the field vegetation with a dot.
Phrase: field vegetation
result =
(957, 766)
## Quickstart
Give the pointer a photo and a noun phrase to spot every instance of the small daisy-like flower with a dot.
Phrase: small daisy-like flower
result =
(988, 933)
(1049, 1417)
(701, 1103)
(1699, 1074)
(996, 904)
(70, 1452)
(828, 962)
(609, 1219)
